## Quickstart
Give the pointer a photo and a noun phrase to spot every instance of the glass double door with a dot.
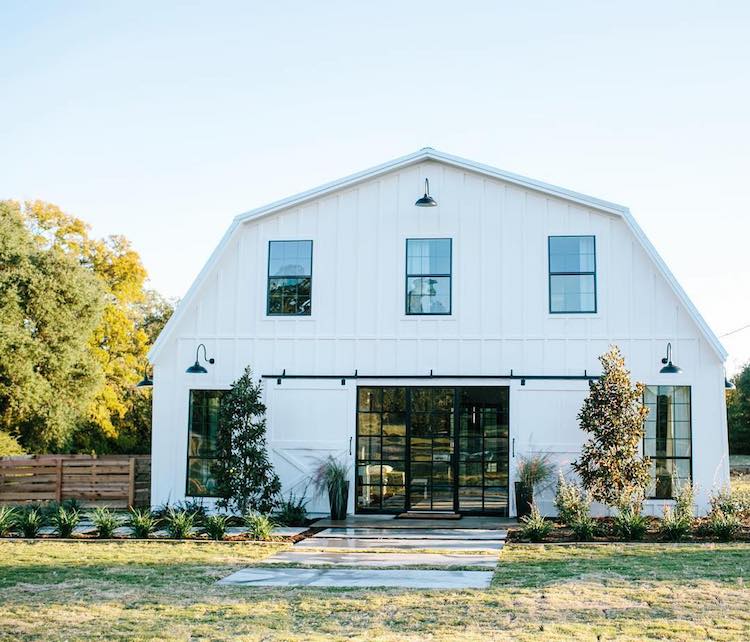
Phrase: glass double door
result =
(432, 449)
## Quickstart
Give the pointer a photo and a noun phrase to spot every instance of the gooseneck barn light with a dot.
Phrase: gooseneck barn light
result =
(669, 368)
(426, 200)
(197, 368)
(146, 382)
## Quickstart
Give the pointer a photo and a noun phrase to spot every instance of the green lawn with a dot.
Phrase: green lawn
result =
(166, 591)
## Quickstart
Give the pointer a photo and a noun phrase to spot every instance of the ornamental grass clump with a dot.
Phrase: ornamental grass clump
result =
(534, 527)
(723, 526)
(216, 526)
(64, 520)
(142, 522)
(179, 523)
(259, 526)
(584, 528)
(7, 520)
(331, 477)
(677, 522)
(29, 521)
(106, 521)
(292, 511)
(630, 523)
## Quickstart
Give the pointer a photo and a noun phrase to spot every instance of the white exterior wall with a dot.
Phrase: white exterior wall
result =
(500, 321)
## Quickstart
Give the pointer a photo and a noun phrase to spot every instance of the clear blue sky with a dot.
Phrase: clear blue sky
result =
(161, 121)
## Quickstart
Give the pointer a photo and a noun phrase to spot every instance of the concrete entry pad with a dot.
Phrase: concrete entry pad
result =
(401, 544)
(353, 578)
(374, 560)
(410, 533)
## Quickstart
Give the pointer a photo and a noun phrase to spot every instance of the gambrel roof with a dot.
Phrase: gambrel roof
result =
(429, 154)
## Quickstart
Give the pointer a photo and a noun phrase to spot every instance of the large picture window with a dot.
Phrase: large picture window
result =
(428, 276)
(572, 274)
(668, 438)
(289, 278)
(203, 422)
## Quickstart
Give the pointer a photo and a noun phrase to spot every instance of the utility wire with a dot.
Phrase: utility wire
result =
(726, 334)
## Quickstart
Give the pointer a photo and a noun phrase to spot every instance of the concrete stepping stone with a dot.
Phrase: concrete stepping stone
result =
(400, 544)
(354, 578)
(410, 533)
(374, 560)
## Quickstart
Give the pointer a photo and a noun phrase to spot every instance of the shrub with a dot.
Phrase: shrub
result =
(571, 501)
(534, 526)
(723, 525)
(259, 526)
(179, 523)
(534, 470)
(630, 524)
(142, 522)
(196, 507)
(584, 528)
(292, 511)
(29, 521)
(675, 525)
(684, 502)
(105, 521)
(65, 520)
(735, 502)
(7, 520)
(216, 526)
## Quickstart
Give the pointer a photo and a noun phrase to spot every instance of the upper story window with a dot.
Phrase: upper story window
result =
(428, 276)
(572, 274)
(668, 438)
(289, 278)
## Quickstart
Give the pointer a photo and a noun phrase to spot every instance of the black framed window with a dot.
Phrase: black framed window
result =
(428, 276)
(203, 421)
(668, 439)
(289, 278)
(572, 274)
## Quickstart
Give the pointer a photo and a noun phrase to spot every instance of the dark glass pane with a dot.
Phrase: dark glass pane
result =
(368, 497)
(394, 448)
(470, 474)
(495, 498)
(470, 498)
(571, 254)
(289, 295)
(394, 399)
(368, 448)
(394, 424)
(421, 448)
(201, 477)
(421, 400)
(394, 497)
(428, 295)
(421, 424)
(394, 473)
(369, 423)
(572, 293)
(370, 399)
(204, 418)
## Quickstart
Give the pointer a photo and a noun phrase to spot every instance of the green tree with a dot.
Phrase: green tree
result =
(245, 476)
(738, 413)
(613, 414)
(50, 305)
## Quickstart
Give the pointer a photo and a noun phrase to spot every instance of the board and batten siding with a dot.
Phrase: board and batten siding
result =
(500, 318)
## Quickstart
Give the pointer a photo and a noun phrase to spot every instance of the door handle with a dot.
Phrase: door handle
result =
(350, 446)
(513, 446)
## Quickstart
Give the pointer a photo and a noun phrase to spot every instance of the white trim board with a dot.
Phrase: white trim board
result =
(429, 154)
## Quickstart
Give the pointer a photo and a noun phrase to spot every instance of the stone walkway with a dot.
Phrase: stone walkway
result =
(383, 556)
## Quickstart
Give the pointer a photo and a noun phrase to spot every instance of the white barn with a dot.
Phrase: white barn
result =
(431, 347)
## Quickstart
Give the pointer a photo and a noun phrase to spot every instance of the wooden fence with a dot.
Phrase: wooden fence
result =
(117, 481)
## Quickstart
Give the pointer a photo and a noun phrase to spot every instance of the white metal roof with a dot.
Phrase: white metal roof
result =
(430, 154)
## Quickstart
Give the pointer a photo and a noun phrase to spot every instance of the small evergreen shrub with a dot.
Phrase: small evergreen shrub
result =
(534, 526)
(584, 528)
(64, 520)
(731, 502)
(571, 501)
(196, 507)
(259, 526)
(7, 520)
(684, 502)
(142, 522)
(105, 521)
(675, 526)
(29, 521)
(630, 523)
(216, 526)
(724, 526)
(292, 511)
(179, 523)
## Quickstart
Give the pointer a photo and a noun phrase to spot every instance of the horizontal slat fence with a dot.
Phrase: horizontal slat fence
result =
(118, 481)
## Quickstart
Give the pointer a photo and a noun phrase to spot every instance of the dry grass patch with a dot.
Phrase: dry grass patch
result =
(156, 591)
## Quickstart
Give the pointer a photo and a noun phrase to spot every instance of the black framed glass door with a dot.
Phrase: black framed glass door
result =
(432, 448)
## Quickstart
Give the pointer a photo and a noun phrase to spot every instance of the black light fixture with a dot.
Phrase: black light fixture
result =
(426, 200)
(146, 382)
(669, 368)
(197, 368)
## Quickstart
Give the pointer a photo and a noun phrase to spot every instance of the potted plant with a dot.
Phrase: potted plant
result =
(532, 471)
(331, 477)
